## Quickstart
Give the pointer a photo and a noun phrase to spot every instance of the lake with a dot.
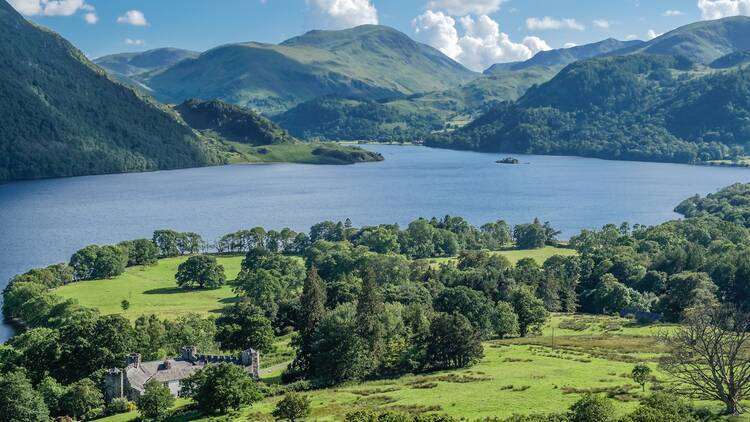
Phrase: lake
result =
(44, 222)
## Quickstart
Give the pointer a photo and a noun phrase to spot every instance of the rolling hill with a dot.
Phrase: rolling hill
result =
(368, 62)
(60, 115)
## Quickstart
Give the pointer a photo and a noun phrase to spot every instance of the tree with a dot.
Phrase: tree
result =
(338, 353)
(166, 242)
(470, 303)
(200, 270)
(83, 400)
(312, 311)
(95, 261)
(292, 407)
(530, 310)
(18, 400)
(141, 252)
(641, 374)
(156, 400)
(663, 407)
(685, 290)
(505, 320)
(708, 356)
(381, 239)
(592, 408)
(452, 343)
(369, 309)
(220, 388)
(52, 392)
(242, 326)
(125, 304)
(39, 351)
(530, 236)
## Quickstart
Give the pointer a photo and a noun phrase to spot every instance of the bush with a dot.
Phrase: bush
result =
(117, 406)
(592, 408)
(292, 407)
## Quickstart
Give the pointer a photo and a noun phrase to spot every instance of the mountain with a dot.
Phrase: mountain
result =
(232, 123)
(701, 42)
(369, 62)
(565, 56)
(131, 64)
(635, 107)
(60, 115)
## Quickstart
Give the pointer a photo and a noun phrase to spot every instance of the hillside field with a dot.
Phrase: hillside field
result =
(152, 290)
(590, 353)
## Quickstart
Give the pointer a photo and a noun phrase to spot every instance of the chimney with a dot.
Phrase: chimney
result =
(134, 360)
(190, 353)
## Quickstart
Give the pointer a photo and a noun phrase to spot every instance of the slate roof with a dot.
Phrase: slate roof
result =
(158, 370)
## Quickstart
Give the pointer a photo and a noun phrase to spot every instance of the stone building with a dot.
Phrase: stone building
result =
(131, 380)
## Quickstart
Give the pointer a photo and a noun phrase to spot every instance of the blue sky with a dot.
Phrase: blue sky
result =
(474, 32)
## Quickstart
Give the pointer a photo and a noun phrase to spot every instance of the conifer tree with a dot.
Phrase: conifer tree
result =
(369, 310)
(312, 311)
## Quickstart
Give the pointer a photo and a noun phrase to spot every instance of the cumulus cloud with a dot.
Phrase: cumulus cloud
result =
(49, 7)
(651, 34)
(133, 17)
(601, 23)
(341, 14)
(717, 9)
(552, 23)
(130, 41)
(91, 18)
(465, 7)
(673, 12)
(480, 43)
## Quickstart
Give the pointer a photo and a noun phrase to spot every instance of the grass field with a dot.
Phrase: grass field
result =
(515, 255)
(516, 376)
(152, 290)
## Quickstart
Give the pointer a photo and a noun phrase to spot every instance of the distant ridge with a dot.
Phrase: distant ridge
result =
(565, 56)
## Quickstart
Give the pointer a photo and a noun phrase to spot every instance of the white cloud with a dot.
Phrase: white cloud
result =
(91, 18)
(673, 12)
(481, 45)
(49, 7)
(133, 17)
(341, 14)
(717, 9)
(570, 45)
(552, 23)
(651, 34)
(465, 7)
(130, 41)
(631, 37)
(601, 23)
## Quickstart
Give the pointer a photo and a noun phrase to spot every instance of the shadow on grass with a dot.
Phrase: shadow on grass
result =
(174, 290)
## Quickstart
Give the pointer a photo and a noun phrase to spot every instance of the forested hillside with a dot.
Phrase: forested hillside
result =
(62, 116)
(636, 107)
(731, 204)
(232, 123)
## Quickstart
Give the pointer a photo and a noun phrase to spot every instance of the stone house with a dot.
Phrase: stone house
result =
(131, 380)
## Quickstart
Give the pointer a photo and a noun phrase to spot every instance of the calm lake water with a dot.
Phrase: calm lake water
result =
(44, 222)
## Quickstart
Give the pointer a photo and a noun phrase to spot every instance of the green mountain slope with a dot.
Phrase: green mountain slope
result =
(131, 64)
(636, 107)
(232, 123)
(408, 119)
(60, 115)
(702, 42)
(369, 62)
(565, 56)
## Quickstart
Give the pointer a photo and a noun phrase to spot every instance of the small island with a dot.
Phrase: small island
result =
(508, 160)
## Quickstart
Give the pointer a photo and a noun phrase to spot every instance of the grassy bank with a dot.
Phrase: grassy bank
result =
(302, 153)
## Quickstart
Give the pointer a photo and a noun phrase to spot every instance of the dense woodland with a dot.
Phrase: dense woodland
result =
(365, 303)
